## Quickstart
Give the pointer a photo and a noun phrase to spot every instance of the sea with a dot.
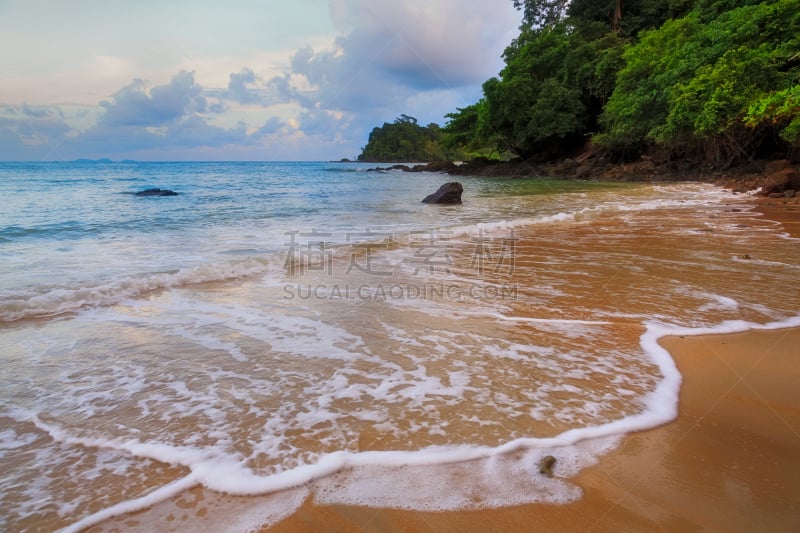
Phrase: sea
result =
(279, 333)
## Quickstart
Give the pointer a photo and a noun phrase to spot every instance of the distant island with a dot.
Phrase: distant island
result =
(101, 160)
(668, 87)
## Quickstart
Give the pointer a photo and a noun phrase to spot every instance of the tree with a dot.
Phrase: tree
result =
(541, 13)
(551, 91)
(404, 140)
(716, 83)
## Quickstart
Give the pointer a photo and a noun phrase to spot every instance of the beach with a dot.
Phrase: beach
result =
(728, 461)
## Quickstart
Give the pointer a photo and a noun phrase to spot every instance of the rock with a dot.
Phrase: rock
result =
(449, 193)
(434, 166)
(583, 171)
(775, 195)
(156, 192)
(781, 180)
(774, 166)
(404, 168)
(791, 193)
(546, 465)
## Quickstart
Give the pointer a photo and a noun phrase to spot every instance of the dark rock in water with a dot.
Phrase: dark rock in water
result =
(156, 192)
(546, 465)
(434, 166)
(404, 168)
(449, 193)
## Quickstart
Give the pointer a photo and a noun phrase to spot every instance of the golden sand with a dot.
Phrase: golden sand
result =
(730, 462)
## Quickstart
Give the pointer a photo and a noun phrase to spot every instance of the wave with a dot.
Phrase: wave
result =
(418, 480)
(19, 305)
(71, 227)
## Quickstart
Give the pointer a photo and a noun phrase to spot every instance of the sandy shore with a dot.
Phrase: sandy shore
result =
(730, 462)
(787, 212)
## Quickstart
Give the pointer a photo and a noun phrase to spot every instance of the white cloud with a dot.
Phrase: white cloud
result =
(213, 90)
(133, 105)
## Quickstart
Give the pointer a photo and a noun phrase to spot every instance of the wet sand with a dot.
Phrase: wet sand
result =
(731, 461)
(787, 212)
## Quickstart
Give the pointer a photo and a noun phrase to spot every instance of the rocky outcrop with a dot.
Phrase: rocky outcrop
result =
(434, 166)
(404, 168)
(780, 176)
(449, 193)
(156, 192)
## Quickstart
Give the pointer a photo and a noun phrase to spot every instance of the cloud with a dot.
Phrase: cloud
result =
(272, 125)
(133, 105)
(32, 132)
(417, 57)
(423, 44)
(393, 56)
(242, 88)
(165, 118)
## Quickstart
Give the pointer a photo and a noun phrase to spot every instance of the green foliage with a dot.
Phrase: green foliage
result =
(701, 80)
(550, 91)
(559, 73)
(541, 13)
(781, 109)
(403, 141)
(718, 79)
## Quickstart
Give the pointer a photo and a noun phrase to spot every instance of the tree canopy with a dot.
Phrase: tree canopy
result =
(404, 141)
(720, 80)
(716, 79)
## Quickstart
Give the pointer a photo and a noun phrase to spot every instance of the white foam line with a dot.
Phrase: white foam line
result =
(541, 320)
(661, 408)
(159, 495)
(65, 299)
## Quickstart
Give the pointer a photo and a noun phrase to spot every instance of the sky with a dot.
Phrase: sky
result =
(235, 80)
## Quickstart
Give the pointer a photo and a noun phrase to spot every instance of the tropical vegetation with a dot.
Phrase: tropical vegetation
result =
(711, 80)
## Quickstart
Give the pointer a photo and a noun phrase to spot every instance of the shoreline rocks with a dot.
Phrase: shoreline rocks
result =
(156, 192)
(448, 194)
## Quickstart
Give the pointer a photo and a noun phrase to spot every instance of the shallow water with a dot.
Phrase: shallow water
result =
(280, 323)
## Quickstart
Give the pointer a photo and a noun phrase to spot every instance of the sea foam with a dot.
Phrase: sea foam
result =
(432, 479)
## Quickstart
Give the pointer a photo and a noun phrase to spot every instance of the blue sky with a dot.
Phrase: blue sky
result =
(236, 80)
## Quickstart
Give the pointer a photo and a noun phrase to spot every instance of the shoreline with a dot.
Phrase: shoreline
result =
(607, 486)
(727, 462)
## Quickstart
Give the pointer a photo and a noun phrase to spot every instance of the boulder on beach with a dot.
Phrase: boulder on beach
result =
(156, 192)
(449, 193)
(780, 176)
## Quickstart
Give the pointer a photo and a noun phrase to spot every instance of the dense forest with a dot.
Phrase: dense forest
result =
(405, 141)
(701, 80)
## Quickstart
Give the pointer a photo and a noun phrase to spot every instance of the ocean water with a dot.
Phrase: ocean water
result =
(286, 331)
